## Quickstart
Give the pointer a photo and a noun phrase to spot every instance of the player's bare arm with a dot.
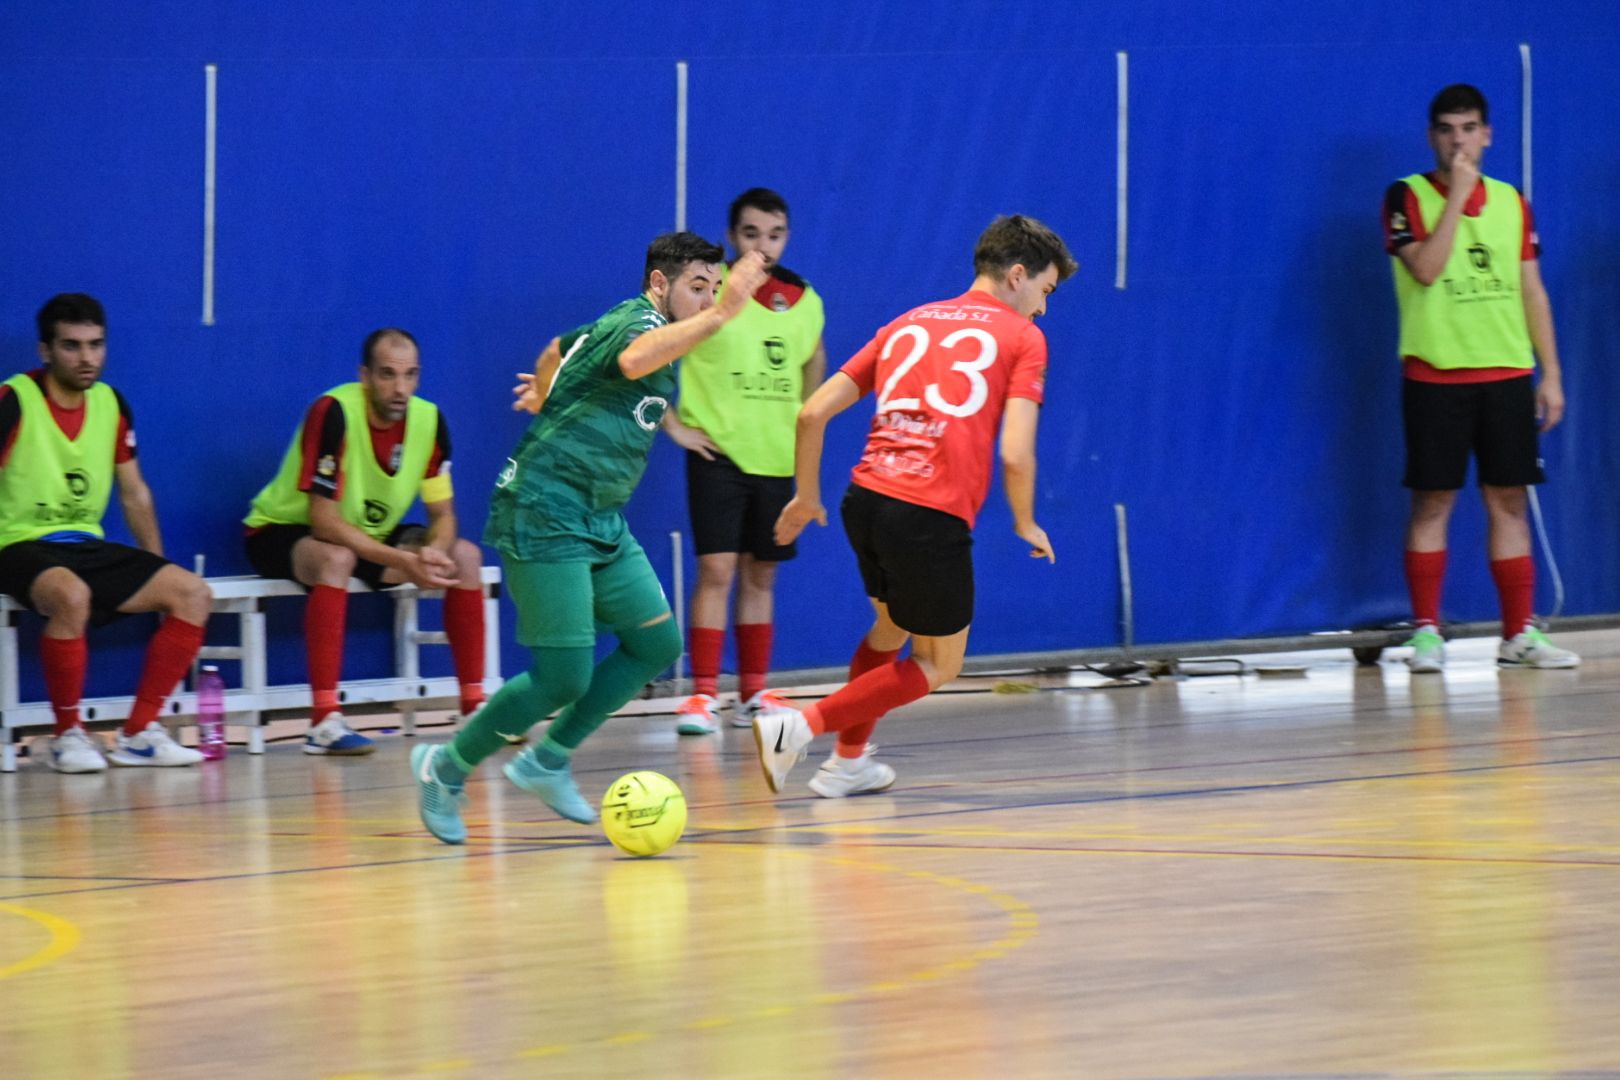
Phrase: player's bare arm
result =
(1018, 474)
(831, 398)
(441, 530)
(815, 369)
(326, 524)
(531, 390)
(140, 512)
(669, 343)
(1538, 317)
(1427, 258)
(688, 437)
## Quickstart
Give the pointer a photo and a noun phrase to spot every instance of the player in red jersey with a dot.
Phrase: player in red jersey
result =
(948, 376)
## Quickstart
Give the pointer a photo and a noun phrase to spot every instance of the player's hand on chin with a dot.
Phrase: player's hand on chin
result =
(747, 275)
(795, 516)
(1039, 546)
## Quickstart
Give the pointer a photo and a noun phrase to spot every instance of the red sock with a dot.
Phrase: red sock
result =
(853, 739)
(1425, 573)
(1516, 586)
(705, 644)
(64, 661)
(869, 697)
(169, 654)
(323, 645)
(464, 624)
(753, 657)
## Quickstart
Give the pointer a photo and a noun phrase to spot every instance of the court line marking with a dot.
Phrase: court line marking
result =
(65, 938)
(1023, 925)
(811, 826)
(1224, 854)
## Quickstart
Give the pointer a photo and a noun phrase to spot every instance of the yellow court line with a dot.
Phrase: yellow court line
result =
(64, 939)
(1023, 925)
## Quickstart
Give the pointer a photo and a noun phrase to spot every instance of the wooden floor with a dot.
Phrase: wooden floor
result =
(1353, 873)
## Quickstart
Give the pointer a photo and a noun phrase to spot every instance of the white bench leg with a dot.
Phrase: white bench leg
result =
(254, 679)
(8, 754)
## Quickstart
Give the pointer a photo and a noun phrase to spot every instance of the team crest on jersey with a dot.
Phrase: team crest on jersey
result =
(396, 457)
(778, 302)
(508, 473)
(1480, 256)
(327, 466)
(376, 512)
(775, 351)
(649, 411)
(78, 483)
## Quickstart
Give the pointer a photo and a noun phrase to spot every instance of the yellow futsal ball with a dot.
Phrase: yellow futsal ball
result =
(643, 813)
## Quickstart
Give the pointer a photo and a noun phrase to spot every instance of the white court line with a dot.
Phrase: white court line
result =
(1524, 151)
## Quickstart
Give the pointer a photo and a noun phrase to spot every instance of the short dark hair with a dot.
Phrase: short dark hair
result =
(69, 307)
(1458, 98)
(670, 253)
(368, 346)
(756, 198)
(1013, 240)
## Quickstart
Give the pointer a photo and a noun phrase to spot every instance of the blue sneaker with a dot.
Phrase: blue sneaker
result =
(438, 802)
(555, 787)
(333, 736)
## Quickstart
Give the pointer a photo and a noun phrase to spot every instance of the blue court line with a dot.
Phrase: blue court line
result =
(723, 836)
(1184, 793)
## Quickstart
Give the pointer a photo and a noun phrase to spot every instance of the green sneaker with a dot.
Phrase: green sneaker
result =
(554, 787)
(1428, 651)
(438, 802)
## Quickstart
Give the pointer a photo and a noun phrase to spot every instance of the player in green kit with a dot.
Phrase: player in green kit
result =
(556, 518)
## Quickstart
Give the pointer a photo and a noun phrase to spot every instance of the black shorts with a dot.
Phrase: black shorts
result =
(269, 550)
(735, 512)
(114, 572)
(915, 559)
(1493, 421)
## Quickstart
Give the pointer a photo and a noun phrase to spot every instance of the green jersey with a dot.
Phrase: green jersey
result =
(560, 495)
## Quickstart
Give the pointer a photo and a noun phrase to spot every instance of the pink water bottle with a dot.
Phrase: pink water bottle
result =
(211, 713)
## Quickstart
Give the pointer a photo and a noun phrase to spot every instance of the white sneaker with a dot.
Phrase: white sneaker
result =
(782, 735)
(73, 751)
(153, 746)
(765, 699)
(333, 735)
(841, 776)
(1532, 649)
(1428, 651)
(697, 714)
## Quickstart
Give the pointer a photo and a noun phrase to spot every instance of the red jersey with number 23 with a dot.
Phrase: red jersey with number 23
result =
(943, 373)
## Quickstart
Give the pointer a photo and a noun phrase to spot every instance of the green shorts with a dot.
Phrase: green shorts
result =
(563, 604)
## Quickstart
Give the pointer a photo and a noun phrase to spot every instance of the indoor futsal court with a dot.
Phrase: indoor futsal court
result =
(1344, 873)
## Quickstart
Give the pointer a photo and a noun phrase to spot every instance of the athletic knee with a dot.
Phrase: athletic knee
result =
(326, 564)
(190, 598)
(469, 562)
(62, 597)
(560, 674)
(658, 643)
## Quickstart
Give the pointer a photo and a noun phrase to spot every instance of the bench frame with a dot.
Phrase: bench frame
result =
(243, 597)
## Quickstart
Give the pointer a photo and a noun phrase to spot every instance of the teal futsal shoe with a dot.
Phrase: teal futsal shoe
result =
(438, 802)
(554, 787)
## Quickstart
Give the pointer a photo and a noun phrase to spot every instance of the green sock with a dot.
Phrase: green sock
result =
(551, 755)
(643, 652)
(555, 678)
(449, 767)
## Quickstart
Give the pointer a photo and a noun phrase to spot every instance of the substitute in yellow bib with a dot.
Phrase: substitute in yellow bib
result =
(740, 393)
(336, 510)
(1474, 320)
(66, 438)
